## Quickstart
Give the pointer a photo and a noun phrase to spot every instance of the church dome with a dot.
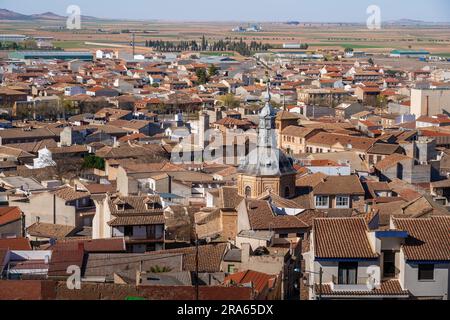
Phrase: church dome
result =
(269, 162)
(266, 159)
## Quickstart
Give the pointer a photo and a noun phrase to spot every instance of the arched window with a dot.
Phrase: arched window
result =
(287, 192)
(248, 192)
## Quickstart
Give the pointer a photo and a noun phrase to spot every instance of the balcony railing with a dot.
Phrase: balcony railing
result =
(144, 238)
(360, 284)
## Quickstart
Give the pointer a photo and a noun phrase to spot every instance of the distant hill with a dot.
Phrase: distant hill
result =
(11, 15)
(47, 16)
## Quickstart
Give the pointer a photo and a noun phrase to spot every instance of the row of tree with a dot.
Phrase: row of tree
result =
(25, 45)
(242, 47)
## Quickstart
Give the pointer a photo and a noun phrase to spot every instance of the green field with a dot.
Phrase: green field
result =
(70, 44)
(446, 55)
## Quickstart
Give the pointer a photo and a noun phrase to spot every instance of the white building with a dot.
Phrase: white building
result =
(349, 260)
(429, 102)
(106, 54)
(43, 160)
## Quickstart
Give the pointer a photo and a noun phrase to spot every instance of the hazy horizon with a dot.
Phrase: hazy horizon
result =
(326, 11)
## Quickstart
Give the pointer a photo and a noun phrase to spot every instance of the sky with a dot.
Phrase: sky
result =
(242, 10)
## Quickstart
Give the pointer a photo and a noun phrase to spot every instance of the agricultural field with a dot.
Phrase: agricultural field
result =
(435, 39)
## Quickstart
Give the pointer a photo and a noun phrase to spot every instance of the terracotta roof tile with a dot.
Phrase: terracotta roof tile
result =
(262, 217)
(91, 246)
(15, 244)
(48, 230)
(390, 161)
(342, 238)
(429, 239)
(259, 281)
(9, 214)
(210, 257)
(331, 139)
(62, 259)
(387, 288)
(340, 185)
(70, 194)
(137, 220)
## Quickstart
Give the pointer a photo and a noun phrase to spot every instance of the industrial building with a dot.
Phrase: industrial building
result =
(409, 54)
(12, 37)
(51, 55)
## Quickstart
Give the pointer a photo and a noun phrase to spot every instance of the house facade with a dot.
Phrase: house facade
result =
(140, 220)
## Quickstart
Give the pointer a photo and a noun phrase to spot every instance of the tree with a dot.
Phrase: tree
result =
(348, 50)
(229, 101)
(94, 162)
(159, 269)
(382, 101)
(204, 43)
(371, 62)
(202, 76)
(212, 71)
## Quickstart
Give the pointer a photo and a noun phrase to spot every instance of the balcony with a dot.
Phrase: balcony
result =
(361, 284)
(141, 239)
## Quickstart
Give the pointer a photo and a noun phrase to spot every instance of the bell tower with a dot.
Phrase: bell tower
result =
(266, 169)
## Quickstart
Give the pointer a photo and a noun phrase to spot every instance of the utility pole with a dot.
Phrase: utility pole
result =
(196, 269)
(320, 273)
(134, 45)
(320, 283)
(54, 208)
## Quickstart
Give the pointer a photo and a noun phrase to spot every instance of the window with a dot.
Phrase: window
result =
(322, 202)
(151, 232)
(301, 235)
(287, 192)
(248, 192)
(128, 231)
(348, 273)
(426, 272)
(389, 269)
(231, 268)
(283, 236)
(342, 202)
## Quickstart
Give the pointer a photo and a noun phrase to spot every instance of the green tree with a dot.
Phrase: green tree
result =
(382, 101)
(212, 70)
(229, 101)
(94, 162)
(159, 269)
(202, 76)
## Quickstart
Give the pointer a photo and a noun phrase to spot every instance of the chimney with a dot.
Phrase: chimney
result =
(138, 277)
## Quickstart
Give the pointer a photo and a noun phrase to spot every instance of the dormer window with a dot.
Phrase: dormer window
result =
(120, 204)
